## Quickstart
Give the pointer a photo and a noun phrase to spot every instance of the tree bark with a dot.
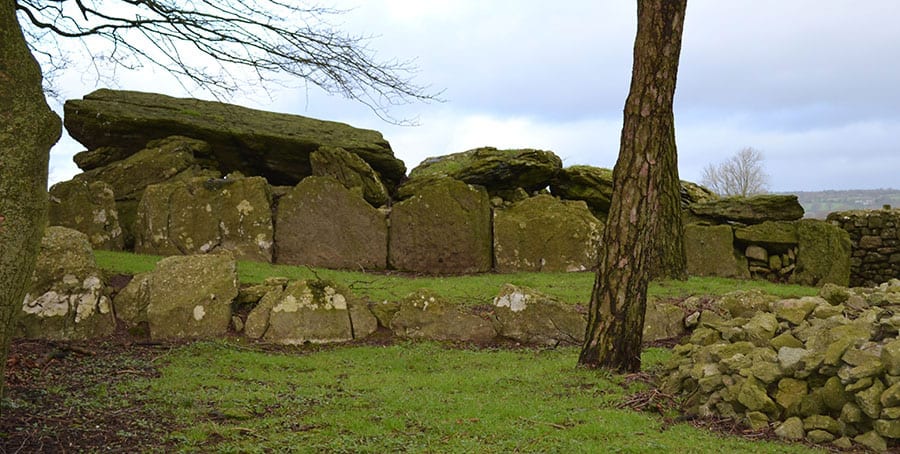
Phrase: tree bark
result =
(28, 128)
(643, 235)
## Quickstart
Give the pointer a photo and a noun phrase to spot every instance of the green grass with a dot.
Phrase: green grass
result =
(574, 288)
(416, 397)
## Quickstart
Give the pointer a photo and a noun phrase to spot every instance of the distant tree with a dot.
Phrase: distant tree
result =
(741, 175)
(643, 234)
(205, 42)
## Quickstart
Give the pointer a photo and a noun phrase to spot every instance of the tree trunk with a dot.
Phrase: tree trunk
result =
(643, 232)
(28, 128)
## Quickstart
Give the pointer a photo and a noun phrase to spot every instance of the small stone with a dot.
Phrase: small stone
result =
(836, 350)
(761, 328)
(753, 395)
(843, 443)
(889, 428)
(890, 357)
(754, 252)
(785, 339)
(827, 311)
(872, 440)
(822, 422)
(765, 372)
(791, 429)
(890, 413)
(819, 436)
(851, 413)
(796, 310)
(237, 323)
(869, 400)
(789, 358)
(757, 420)
(790, 392)
(833, 394)
(891, 396)
(859, 385)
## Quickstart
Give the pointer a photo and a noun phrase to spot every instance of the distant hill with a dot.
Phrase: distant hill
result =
(818, 204)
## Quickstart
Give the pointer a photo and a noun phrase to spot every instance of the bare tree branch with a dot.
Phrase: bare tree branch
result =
(740, 175)
(204, 41)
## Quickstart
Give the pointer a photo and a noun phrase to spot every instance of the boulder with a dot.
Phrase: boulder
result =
(321, 223)
(710, 252)
(354, 173)
(824, 254)
(256, 143)
(769, 234)
(663, 321)
(168, 159)
(692, 193)
(446, 228)
(131, 302)
(749, 210)
(190, 296)
(203, 215)
(304, 311)
(425, 315)
(591, 184)
(543, 233)
(66, 299)
(90, 208)
(527, 316)
(494, 169)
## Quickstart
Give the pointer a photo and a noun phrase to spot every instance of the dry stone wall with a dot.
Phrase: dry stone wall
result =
(875, 236)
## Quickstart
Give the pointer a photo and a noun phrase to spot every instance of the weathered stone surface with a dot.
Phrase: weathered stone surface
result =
(202, 215)
(795, 310)
(321, 223)
(758, 253)
(255, 143)
(888, 428)
(662, 321)
(131, 302)
(529, 317)
(591, 184)
(65, 298)
(745, 303)
(790, 393)
(710, 252)
(446, 228)
(824, 254)
(89, 208)
(543, 233)
(169, 159)
(761, 329)
(770, 233)
(869, 400)
(890, 357)
(305, 311)
(872, 441)
(190, 296)
(494, 169)
(750, 210)
(354, 173)
(791, 429)
(753, 395)
(424, 315)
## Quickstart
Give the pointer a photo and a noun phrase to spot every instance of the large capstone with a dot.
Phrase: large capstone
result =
(90, 208)
(445, 228)
(750, 210)
(543, 233)
(66, 299)
(593, 185)
(322, 223)
(710, 252)
(354, 173)
(530, 317)
(496, 170)
(190, 296)
(256, 143)
(204, 215)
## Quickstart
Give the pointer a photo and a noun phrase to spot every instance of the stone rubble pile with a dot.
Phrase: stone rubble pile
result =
(824, 368)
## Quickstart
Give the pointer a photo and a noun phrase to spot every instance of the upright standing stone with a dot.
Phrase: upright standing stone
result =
(90, 208)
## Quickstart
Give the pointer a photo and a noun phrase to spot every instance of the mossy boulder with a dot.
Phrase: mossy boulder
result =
(446, 228)
(256, 143)
(663, 320)
(321, 223)
(824, 254)
(530, 317)
(710, 252)
(313, 311)
(777, 234)
(169, 159)
(749, 210)
(190, 296)
(494, 169)
(544, 233)
(591, 184)
(203, 215)
(90, 208)
(66, 298)
(354, 173)
(131, 302)
(425, 315)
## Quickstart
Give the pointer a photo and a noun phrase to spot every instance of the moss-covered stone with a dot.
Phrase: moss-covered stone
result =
(791, 429)
(90, 208)
(790, 392)
(494, 169)
(322, 223)
(750, 210)
(888, 428)
(753, 395)
(710, 252)
(872, 440)
(543, 233)
(256, 143)
(190, 296)
(869, 400)
(795, 310)
(304, 311)
(530, 317)
(745, 303)
(824, 254)
(890, 357)
(591, 184)
(425, 315)
(354, 173)
(444, 229)
(777, 234)
(131, 302)
(201, 215)
(66, 298)
(663, 321)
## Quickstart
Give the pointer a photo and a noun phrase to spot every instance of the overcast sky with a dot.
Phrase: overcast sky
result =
(814, 85)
